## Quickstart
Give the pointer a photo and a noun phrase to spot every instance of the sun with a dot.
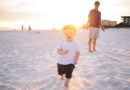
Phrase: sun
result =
(59, 13)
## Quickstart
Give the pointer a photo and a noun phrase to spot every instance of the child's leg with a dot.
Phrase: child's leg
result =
(94, 44)
(62, 77)
(61, 71)
(68, 74)
(66, 84)
(89, 43)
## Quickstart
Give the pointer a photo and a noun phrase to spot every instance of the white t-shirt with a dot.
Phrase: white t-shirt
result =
(72, 48)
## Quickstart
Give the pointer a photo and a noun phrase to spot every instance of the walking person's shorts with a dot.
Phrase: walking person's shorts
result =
(93, 32)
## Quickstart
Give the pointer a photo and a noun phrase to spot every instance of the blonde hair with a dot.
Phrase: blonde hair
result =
(69, 27)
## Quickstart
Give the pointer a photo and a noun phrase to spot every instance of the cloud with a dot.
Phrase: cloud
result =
(12, 10)
(122, 3)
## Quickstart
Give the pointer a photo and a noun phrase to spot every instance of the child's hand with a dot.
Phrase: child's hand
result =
(75, 62)
(65, 52)
(61, 52)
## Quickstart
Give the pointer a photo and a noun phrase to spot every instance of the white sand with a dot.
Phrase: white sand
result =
(28, 61)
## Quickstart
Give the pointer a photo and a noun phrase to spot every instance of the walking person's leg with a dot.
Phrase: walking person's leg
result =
(89, 43)
(96, 35)
(91, 33)
(94, 44)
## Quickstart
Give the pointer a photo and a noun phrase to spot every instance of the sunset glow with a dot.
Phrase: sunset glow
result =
(44, 14)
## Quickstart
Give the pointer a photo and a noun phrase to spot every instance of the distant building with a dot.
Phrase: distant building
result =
(109, 23)
(125, 20)
(105, 22)
(113, 23)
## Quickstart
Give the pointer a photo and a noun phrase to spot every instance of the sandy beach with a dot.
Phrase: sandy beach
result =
(28, 61)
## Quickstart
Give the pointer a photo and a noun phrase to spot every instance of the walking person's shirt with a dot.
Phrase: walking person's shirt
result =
(94, 17)
(72, 48)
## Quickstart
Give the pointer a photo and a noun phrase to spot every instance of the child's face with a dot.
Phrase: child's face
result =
(69, 34)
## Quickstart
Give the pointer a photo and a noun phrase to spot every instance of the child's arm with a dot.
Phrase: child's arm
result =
(76, 58)
(62, 52)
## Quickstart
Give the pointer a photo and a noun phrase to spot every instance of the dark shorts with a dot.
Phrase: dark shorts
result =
(65, 69)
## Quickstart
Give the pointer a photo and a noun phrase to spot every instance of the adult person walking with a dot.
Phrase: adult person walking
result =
(93, 25)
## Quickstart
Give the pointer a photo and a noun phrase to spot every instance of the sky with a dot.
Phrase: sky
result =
(47, 14)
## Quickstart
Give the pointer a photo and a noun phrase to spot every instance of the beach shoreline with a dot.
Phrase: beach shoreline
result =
(28, 61)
